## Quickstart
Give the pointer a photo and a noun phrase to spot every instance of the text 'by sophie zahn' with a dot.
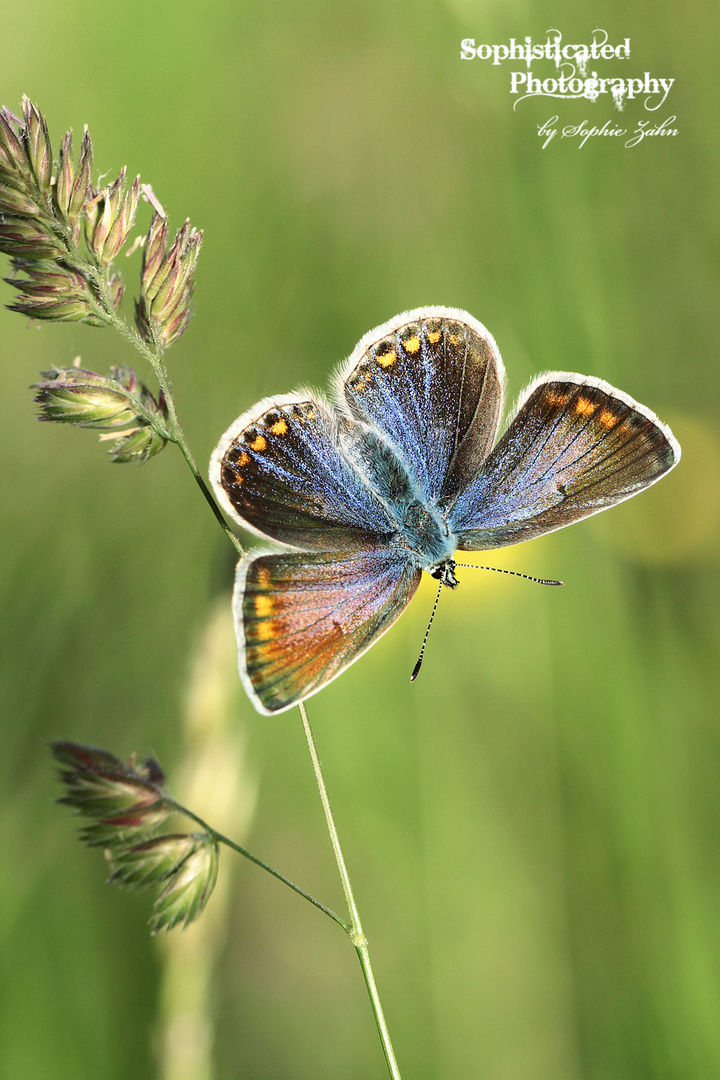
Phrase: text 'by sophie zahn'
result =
(582, 132)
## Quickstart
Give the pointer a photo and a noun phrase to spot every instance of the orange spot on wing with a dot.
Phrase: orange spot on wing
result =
(261, 632)
(412, 344)
(434, 336)
(608, 419)
(243, 459)
(279, 427)
(584, 407)
(258, 443)
(454, 339)
(554, 398)
(263, 606)
(386, 359)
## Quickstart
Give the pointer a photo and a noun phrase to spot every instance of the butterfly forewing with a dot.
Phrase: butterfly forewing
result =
(280, 470)
(575, 446)
(431, 381)
(302, 618)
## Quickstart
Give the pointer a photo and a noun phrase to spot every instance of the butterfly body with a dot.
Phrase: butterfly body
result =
(399, 473)
(418, 527)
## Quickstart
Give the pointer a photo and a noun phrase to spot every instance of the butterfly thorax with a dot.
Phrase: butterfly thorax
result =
(421, 529)
(423, 532)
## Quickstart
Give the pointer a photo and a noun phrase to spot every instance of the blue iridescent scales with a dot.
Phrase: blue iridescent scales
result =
(400, 471)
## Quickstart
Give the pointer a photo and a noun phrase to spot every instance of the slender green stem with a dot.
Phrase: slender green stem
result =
(355, 932)
(354, 929)
(222, 839)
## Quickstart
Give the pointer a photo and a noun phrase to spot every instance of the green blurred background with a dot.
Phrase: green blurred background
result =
(533, 828)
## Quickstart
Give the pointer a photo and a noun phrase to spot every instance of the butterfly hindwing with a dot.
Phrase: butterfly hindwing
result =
(303, 617)
(575, 446)
(431, 382)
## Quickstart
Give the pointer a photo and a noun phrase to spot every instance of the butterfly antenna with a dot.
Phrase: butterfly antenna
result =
(416, 669)
(513, 573)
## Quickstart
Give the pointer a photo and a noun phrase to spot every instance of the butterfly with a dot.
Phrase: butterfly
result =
(402, 469)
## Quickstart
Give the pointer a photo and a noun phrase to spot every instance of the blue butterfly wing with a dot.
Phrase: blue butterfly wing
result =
(301, 618)
(574, 447)
(431, 383)
(280, 471)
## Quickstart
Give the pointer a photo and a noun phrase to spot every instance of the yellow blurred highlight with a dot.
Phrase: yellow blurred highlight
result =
(213, 779)
(678, 519)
